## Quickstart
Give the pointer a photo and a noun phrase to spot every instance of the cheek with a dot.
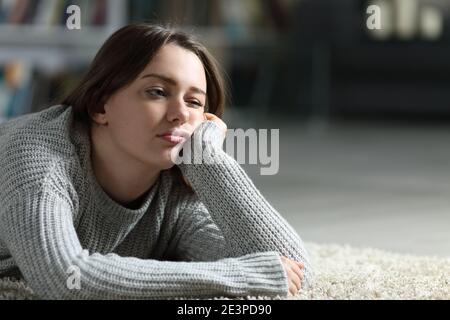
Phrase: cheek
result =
(135, 127)
(138, 116)
(196, 115)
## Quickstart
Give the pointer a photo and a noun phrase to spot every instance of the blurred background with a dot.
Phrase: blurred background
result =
(363, 114)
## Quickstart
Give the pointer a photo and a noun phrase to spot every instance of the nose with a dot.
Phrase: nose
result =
(177, 111)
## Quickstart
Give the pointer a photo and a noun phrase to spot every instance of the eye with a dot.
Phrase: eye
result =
(156, 92)
(195, 103)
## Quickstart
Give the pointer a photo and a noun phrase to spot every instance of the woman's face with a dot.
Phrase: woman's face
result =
(169, 93)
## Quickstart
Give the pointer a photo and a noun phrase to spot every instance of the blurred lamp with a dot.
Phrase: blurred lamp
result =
(387, 27)
(431, 23)
(407, 13)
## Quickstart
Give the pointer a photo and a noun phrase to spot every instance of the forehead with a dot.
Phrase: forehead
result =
(179, 64)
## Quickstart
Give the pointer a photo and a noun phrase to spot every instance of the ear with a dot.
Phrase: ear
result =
(99, 118)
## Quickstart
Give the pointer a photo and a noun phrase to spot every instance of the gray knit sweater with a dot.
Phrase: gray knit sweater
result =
(223, 240)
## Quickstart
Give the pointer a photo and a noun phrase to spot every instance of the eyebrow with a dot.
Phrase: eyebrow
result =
(171, 81)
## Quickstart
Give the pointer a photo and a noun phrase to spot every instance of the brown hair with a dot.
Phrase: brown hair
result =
(122, 58)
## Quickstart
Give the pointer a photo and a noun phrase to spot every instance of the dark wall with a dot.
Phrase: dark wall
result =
(326, 64)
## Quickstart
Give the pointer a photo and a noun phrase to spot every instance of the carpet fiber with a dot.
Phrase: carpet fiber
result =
(344, 272)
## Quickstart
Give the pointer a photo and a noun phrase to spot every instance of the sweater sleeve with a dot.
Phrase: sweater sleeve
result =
(248, 222)
(38, 229)
(197, 237)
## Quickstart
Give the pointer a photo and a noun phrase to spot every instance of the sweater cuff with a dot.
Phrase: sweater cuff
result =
(203, 146)
(212, 134)
(264, 274)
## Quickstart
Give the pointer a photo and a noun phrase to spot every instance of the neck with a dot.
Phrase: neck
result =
(123, 178)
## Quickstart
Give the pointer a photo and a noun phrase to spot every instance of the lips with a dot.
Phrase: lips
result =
(175, 136)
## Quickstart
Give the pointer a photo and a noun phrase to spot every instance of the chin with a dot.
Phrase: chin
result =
(167, 166)
(166, 162)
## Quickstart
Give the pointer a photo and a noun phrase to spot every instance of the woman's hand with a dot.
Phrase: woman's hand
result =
(294, 271)
(192, 126)
(211, 117)
(217, 120)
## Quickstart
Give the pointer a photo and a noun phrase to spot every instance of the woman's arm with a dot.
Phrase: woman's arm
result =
(37, 227)
(248, 222)
(196, 236)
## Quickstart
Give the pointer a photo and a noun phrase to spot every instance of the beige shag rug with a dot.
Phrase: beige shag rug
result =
(344, 272)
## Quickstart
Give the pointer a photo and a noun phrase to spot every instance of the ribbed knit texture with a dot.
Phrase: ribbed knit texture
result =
(223, 240)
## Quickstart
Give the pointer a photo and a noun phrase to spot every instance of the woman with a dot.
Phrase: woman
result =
(93, 206)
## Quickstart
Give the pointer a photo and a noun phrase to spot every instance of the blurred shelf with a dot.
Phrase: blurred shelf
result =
(50, 47)
(48, 58)
(55, 46)
(229, 36)
(57, 36)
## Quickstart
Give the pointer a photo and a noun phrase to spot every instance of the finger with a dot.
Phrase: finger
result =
(299, 272)
(295, 279)
(210, 116)
(295, 267)
(299, 263)
(293, 290)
